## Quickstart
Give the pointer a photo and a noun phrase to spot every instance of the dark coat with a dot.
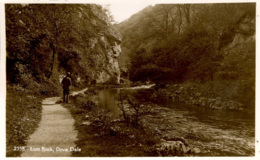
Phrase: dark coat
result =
(66, 82)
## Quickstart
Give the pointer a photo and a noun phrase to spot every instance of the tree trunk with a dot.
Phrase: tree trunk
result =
(180, 22)
(186, 10)
(52, 61)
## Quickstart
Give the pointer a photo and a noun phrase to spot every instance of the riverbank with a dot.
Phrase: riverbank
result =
(98, 134)
(148, 122)
(215, 95)
(101, 132)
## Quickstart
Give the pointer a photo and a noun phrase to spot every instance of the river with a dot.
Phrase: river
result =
(214, 132)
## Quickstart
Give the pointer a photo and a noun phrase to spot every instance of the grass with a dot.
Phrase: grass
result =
(23, 113)
(23, 110)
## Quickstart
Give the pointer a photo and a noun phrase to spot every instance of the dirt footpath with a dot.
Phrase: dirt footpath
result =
(55, 135)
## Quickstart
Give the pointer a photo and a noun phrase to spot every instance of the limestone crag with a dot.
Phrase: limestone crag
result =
(105, 43)
(174, 148)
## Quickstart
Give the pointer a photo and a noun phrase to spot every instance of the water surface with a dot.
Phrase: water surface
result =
(214, 132)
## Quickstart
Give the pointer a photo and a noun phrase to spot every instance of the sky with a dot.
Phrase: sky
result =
(125, 9)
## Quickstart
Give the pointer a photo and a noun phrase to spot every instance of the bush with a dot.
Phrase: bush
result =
(88, 105)
(134, 105)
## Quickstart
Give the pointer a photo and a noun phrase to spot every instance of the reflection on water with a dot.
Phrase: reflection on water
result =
(215, 132)
(107, 100)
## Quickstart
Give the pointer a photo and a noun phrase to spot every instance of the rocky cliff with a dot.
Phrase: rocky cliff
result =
(106, 40)
(44, 41)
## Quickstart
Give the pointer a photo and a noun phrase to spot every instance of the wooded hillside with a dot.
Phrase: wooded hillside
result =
(179, 37)
(205, 43)
(46, 41)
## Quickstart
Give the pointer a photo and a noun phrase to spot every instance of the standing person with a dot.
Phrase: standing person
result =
(66, 82)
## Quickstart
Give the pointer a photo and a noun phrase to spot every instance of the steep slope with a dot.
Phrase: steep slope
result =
(209, 45)
(44, 41)
(106, 43)
(190, 38)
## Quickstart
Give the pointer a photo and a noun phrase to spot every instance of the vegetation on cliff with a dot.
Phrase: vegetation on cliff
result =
(43, 42)
(208, 49)
(210, 44)
(47, 40)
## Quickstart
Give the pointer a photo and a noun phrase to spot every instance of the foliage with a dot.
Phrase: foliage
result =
(209, 44)
(43, 41)
(106, 9)
(175, 62)
(134, 104)
(51, 39)
(40, 31)
(180, 42)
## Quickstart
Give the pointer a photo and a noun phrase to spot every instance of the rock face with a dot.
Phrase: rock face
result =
(174, 148)
(243, 33)
(105, 45)
(171, 148)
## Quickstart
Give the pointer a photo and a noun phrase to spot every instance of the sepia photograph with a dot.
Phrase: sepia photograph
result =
(146, 79)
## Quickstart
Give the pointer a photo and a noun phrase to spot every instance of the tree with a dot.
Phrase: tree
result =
(183, 41)
(106, 10)
(47, 38)
(58, 25)
(41, 31)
